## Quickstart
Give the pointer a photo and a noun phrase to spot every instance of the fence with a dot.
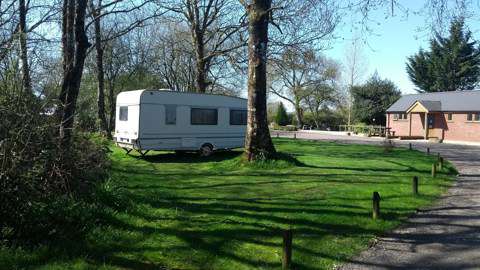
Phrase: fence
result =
(369, 130)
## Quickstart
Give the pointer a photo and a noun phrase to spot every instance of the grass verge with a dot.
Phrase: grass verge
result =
(187, 212)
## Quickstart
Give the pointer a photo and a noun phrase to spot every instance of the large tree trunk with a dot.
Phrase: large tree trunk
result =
(100, 71)
(26, 81)
(201, 72)
(299, 115)
(112, 104)
(74, 48)
(258, 144)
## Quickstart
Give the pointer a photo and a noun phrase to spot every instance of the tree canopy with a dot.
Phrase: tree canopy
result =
(372, 99)
(281, 118)
(452, 63)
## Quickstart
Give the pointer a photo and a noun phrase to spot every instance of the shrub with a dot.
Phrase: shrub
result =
(282, 117)
(44, 189)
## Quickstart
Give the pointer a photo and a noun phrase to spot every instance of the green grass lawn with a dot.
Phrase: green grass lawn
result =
(189, 212)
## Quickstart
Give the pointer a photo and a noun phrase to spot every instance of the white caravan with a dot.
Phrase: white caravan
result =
(167, 120)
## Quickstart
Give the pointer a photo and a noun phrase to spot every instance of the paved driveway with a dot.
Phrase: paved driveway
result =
(446, 236)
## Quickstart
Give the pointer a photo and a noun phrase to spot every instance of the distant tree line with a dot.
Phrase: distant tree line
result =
(324, 108)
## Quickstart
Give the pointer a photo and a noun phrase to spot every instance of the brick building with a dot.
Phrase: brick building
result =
(450, 116)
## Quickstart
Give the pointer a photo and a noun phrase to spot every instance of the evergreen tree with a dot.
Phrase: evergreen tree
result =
(282, 117)
(451, 64)
(372, 99)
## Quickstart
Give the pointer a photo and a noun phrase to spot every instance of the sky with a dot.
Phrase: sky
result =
(391, 41)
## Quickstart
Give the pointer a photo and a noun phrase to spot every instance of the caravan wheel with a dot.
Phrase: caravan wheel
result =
(206, 150)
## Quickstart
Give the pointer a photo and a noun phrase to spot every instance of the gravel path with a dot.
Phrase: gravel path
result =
(446, 236)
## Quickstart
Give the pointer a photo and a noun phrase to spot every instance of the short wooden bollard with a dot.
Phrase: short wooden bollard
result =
(278, 134)
(410, 147)
(434, 170)
(376, 205)
(287, 249)
(428, 150)
(295, 135)
(440, 163)
(415, 185)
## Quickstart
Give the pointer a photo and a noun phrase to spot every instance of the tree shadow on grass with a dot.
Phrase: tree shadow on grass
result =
(210, 228)
(189, 157)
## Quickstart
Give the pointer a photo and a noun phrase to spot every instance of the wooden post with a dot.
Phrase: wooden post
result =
(376, 205)
(428, 150)
(415, 185)
(294, 135)
(287, 249)
(440, 163)
(410, 147)
(278, 134)
(434, 170)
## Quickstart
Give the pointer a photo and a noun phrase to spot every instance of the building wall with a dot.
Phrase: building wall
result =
(401, 127)
(459, 129)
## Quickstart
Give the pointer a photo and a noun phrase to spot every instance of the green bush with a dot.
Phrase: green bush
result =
(281, 117)
(45, 190)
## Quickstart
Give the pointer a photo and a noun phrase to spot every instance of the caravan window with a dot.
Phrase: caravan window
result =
(238, 117)
(170, 114)
(123, 113)
(204, 116)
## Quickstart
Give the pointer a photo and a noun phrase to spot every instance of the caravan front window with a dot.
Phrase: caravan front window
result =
(204, 116)
(238, 117)
(123, 113)
(170, 114)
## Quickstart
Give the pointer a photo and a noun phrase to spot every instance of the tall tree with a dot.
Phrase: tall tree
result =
(74, 51)
(96, 11)
(355, 67)
(286, 17)
(323, 94)
(100, 12)
(174, 58)
(372, 99)
(281, 118)
(22, 32)
(215, 32)
(296, 69)
(258, 143)
(451, 64)
(319, 99)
